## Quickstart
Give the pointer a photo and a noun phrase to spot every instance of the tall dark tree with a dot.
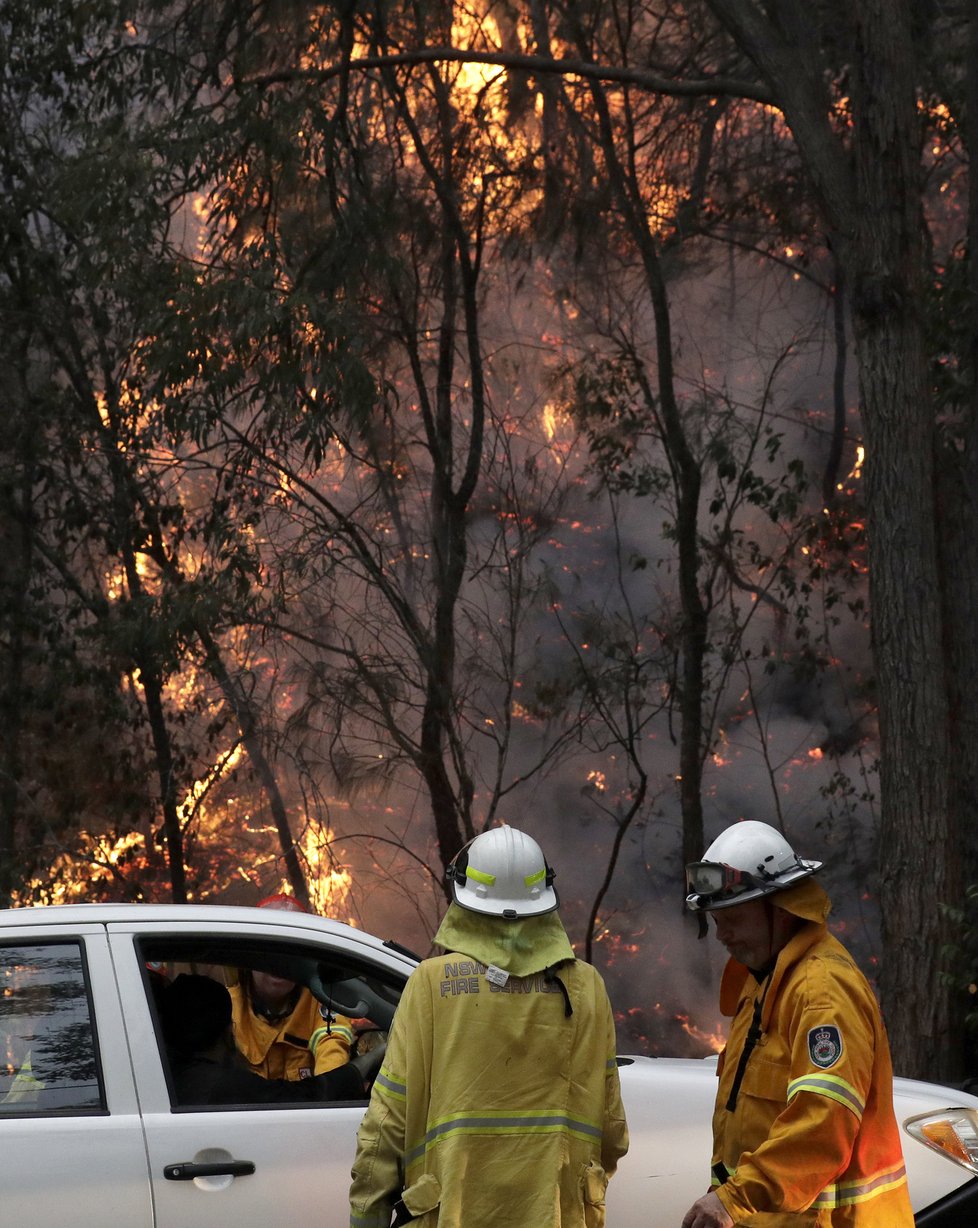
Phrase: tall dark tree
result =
(848, 80)
(95, 169)
(304, 425)
(869, 182)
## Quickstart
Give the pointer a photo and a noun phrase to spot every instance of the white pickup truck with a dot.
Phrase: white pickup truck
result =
(92, 1133)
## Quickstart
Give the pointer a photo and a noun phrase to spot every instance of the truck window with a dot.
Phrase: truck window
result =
(254, 1022)
(47, 1047)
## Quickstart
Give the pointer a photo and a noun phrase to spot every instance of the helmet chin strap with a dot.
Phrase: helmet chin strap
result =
(779, 929)
(766, 965)
(769, 910)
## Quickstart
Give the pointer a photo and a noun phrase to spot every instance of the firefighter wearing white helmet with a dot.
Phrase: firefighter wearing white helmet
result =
(503, 873)
(498, 1101)
(743, 863)
(803, 1127)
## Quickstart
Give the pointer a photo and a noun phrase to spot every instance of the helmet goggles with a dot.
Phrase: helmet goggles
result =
(748, 860)
(712, 880)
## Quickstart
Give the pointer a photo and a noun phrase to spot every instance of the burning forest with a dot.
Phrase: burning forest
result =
(428, 417)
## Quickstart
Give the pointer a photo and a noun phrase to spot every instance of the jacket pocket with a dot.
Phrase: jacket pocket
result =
(765, 1080)
(594, 1186)
(421, 1197)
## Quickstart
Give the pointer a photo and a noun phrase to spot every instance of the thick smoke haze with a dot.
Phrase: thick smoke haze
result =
(794, 751)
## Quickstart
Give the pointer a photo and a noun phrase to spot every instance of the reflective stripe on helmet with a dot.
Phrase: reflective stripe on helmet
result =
(503, 873)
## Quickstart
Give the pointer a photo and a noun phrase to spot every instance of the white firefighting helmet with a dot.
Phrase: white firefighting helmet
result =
(746, 861)
(287, 903)
(503, 873)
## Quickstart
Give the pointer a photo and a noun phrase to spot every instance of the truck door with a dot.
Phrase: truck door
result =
(71, 1140)
(246, 1165)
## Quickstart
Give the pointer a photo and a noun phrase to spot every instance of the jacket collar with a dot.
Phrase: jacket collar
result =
(735, 975)
(519, 947)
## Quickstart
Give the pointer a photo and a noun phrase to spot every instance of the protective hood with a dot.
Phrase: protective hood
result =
(520, 947)
(805, 899)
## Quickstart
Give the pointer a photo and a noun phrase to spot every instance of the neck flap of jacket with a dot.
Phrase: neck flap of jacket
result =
(806, 900)
(521, 947)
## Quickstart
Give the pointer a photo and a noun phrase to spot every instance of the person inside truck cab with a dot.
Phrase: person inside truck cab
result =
(195, 1018)
(280, 1030)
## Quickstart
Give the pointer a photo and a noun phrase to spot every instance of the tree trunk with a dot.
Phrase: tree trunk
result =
(166, 772)
(687, 481)
(886, 262)
(17, 537)
(957, 489)
(870, 188)
(248, 724)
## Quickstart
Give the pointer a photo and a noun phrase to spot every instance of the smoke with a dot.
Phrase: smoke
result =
(793, 741)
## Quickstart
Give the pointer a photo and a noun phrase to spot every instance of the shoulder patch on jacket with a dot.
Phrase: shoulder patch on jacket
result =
(825, 1045)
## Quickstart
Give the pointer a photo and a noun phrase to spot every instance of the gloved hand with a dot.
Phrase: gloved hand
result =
(367, 1064)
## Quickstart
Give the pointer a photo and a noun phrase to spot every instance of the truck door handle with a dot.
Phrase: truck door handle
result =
(189, 1170)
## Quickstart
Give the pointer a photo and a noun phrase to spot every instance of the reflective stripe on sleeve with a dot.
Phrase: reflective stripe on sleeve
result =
(339, 1030)
(848, 1193)
(387, 1085)
(842, 1193)
(375, 1219)
(829, 1085)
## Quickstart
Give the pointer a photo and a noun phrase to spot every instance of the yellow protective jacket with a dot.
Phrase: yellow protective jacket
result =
(25, 1087)
(811, 1139)
(302, 1044)
(498, 1102)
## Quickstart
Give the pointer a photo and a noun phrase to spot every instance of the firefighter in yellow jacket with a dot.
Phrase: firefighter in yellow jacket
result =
(280, 1029)
(803, 1130)
(498, 1102)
